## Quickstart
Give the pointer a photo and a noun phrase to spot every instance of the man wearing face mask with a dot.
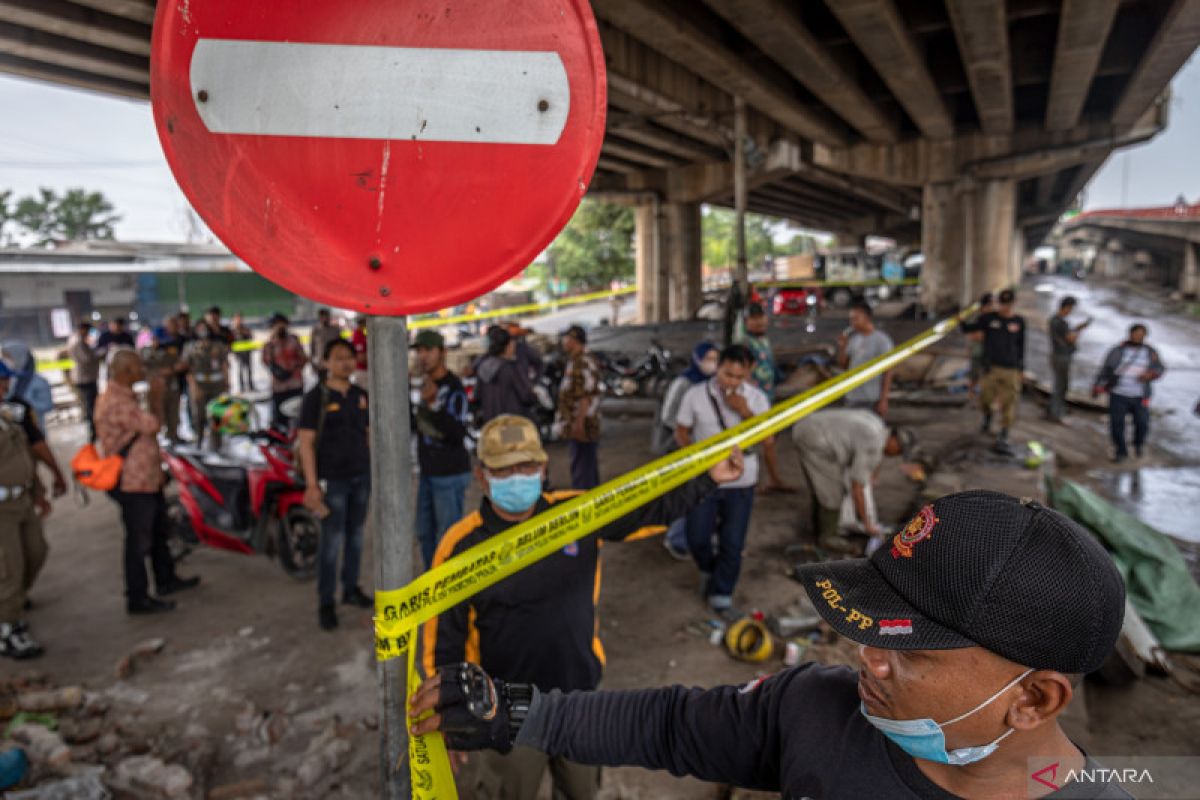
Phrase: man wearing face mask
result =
(539, 625)
(973, 626)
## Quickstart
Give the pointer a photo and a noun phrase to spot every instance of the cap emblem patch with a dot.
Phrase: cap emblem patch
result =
(920, 527)
(895, 627)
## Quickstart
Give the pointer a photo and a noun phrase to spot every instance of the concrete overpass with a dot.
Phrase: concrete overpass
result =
(964, 126)
(1159, 244)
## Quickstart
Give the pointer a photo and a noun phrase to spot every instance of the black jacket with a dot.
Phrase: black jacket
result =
(1003, 339)
(501, 387)
(539, 626)
(798, 732)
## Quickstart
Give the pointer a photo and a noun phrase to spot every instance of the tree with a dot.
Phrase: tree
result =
(596, 247)
(720, 244)
(77, 215)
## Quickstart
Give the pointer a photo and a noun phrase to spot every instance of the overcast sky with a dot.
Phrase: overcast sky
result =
(63, 138)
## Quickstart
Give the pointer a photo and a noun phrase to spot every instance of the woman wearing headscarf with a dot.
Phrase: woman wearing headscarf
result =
(704, 364)
(27, 385)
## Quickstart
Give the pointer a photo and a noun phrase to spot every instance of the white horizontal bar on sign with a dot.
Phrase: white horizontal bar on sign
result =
(367, 92)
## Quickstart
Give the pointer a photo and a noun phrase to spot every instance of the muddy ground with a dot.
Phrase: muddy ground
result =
(245, 645)
(246, 672)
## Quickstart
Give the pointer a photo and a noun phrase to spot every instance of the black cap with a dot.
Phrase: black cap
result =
(980, 568)
(577, 333)
(276, 318)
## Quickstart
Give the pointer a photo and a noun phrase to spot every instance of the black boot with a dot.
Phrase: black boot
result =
(327, 618)
(355, 597)
(149, 605)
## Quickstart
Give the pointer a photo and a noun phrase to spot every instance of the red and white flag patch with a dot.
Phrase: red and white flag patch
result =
(895, 627)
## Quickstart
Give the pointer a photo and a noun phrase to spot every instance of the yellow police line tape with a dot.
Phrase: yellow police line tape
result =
(803, 283)
(520, 311)
(428, 322)
(400, 612)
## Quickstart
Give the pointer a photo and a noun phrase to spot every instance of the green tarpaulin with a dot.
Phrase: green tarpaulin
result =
(1156, 577)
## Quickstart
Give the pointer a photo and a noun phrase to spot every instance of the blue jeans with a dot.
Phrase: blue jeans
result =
(726, 511)
(1120, 407)
(440, 501)
(342, 530)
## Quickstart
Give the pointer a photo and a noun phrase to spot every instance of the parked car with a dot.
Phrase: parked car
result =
(796, 301)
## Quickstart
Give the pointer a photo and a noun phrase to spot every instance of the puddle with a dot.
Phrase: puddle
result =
(1166, 498)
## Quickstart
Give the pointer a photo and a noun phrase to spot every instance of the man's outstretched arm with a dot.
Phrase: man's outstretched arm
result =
(728, 734)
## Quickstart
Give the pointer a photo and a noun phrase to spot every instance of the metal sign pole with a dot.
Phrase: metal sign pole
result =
(392, 523)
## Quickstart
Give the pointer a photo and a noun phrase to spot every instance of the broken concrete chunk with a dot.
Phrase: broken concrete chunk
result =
(42, 745)
(140, 652)
(152, 775)
(241, 789)
(56, 700)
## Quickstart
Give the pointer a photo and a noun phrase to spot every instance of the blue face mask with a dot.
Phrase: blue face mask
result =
(923, 738)
(516, 493)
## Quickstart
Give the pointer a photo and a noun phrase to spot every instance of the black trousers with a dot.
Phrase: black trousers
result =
(146, 525)
(88, 392)
(245, 377)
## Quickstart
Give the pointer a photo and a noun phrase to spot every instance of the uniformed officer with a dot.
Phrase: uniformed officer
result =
(207, 358)
(163, 360)
(22, 506)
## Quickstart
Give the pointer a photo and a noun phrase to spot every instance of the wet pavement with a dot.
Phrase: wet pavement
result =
(1113, 308)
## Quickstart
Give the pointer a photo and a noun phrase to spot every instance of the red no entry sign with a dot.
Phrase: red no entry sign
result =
(391, 157)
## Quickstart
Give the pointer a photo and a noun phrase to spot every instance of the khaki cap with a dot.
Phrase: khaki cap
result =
(508, 440)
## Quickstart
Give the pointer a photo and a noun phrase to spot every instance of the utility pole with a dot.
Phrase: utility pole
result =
(739, 289)
(392, 522)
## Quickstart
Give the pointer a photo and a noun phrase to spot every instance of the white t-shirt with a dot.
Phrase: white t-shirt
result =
(1129, 370)
(697, 413)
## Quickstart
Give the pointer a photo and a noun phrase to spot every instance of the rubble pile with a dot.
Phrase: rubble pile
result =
(79, 743)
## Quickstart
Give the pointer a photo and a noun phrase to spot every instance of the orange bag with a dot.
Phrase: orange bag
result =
(94, 472)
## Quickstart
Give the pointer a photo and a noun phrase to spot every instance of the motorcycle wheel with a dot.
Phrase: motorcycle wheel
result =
(181, 537)
(297, 543)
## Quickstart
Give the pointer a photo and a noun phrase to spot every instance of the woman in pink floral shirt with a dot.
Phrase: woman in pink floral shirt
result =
(122, 425)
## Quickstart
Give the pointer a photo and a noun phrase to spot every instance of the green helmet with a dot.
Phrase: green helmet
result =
(229, 415)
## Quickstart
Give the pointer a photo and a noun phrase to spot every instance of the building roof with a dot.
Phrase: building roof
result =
(112, 256)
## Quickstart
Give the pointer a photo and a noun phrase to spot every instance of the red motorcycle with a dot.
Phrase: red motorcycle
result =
(251, 505)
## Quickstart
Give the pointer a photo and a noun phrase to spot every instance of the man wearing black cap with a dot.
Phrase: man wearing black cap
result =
(973, 624)
(1004, 364)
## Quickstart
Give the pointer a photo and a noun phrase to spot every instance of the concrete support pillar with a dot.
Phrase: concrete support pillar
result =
(650, 266)
(668, 255)
(970, 242)
(684, 257)
(942, 242)
(1189, 278)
